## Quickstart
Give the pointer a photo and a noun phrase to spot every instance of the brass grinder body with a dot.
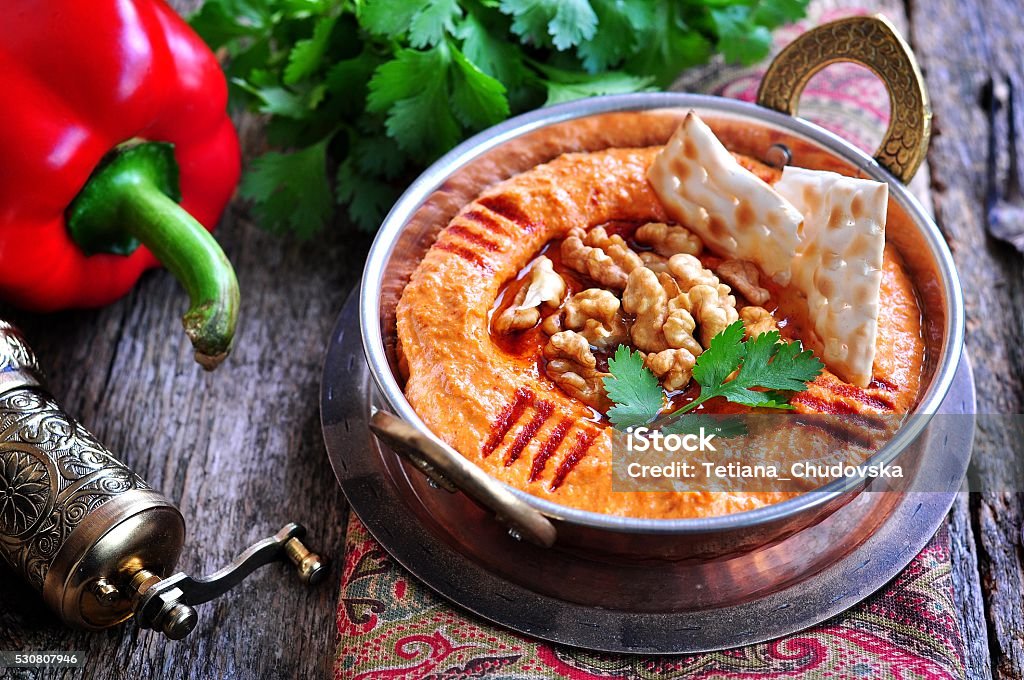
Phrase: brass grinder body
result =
(89, 534)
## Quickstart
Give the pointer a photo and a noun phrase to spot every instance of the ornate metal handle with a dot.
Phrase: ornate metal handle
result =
(444, 465)
(872, 42)
(167, 604)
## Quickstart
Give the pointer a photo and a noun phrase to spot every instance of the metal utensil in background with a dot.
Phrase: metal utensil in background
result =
(1004, 198)
(89, 534)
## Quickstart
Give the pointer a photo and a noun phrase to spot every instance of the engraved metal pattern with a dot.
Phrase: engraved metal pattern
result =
(53, 474)
(872, 42)
(15, 354)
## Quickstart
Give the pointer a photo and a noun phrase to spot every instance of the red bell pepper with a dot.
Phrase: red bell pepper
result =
(113, 111)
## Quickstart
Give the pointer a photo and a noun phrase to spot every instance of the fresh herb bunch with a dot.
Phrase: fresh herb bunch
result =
(362, 94)
(730, 367)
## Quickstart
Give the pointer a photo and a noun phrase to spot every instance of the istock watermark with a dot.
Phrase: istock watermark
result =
(794, 452)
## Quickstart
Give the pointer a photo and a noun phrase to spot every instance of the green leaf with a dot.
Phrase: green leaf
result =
(368, 200)
(562, 23)
(738, 38)
(477, 99)
(490, 52)
(790, 367)
(667, 47)
(388, 18)
(378, 156)
(429, 25)
(218, 22)
(290, 191)
(275, 100)
(722, 357)
(412, 89)
(633, 388)
(417, 77)
(774, 13)
(307, 55)
(618, 24)
(764, 363)
(564, 86)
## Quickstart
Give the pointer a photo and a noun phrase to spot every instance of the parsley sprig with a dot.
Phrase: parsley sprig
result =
(760, 372)
(362, 94)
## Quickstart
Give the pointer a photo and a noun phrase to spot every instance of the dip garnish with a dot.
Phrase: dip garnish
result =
(764, 362)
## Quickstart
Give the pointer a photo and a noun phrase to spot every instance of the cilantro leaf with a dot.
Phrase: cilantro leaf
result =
(386, 17)
(272, 97)
(494, 56)
(392, 84)
(774, 13)
(306, 55)
(477, 99)
(367, 199)
(756, 373)
(722, 357)
(562, 23)
(412, 89)
(218, 22)
(290, 189)
(376, 156)
(739, 38)
(619, 22)
(431, 23)
(634, 389)
(761, 362)
(667, 46)
(563, 86)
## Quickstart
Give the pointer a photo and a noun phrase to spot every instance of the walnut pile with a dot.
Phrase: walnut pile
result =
(573, 367)
(664, 302)
(594, 313)
(542, 286)
(606, 259)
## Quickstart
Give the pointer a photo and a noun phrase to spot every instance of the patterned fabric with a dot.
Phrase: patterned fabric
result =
(393, 627)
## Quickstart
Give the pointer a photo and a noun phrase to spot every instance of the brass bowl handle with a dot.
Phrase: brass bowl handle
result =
(872, 42)
(452, 471)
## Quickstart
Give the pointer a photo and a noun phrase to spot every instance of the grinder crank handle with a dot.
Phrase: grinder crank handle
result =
(88, 533)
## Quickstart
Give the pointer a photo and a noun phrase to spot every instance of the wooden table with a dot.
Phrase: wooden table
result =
(240, 449)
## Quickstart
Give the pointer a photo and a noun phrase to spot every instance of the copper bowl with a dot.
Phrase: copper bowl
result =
(646, 119)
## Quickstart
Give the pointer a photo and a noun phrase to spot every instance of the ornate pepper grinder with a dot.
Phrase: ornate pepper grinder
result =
(88, 533)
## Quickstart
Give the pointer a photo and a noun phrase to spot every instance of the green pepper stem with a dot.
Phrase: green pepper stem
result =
(131, 199)
(192, 255)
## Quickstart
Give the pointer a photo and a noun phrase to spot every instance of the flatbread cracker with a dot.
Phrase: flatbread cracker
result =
(838, 265)
(737, 215)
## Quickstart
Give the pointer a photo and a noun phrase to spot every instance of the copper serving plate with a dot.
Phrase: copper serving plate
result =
(644, 567)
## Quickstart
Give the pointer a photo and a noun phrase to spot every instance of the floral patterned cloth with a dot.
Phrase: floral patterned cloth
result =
(393, 627)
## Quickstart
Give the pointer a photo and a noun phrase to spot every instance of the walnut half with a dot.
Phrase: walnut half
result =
(594, 313)
(667, 240)
(542, 286)
(673, 366)
(757, 320)
(608, 260)
(573, 367)
(744, 277)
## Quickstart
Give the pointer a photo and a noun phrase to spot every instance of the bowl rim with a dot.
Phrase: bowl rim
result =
(487, 140)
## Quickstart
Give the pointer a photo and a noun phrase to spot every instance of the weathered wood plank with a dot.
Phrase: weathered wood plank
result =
(958, 45)
(239, 449)
(967, 590)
